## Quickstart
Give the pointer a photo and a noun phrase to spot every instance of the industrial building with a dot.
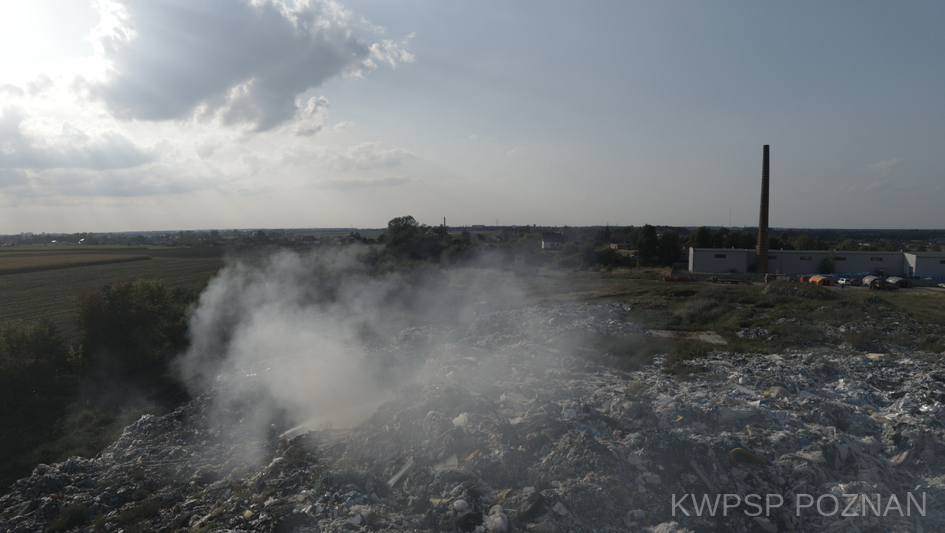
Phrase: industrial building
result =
(797, 262)
(904, 264)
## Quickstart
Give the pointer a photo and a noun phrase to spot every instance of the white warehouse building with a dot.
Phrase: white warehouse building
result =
(905, 264)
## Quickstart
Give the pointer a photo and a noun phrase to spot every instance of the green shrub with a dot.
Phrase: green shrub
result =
(133, 328)
(792, 334)
(70, 515)
(695, 307)
(864, 339)
(932, 344)
(625, 352)
(686, 350)
(132, 517)
(704, 312)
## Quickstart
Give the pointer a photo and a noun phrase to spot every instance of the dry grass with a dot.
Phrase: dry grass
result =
(792, 312)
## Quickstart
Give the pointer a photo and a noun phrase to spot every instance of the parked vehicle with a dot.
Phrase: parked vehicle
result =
(882, 285)
(844, 281)
(942, 285)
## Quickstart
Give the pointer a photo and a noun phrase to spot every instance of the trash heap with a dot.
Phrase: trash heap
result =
(503, 430)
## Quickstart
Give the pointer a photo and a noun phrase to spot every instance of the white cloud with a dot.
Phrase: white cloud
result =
(883, 186)
(13, 178)
(379, 30)
(156, 180)
(884, 167)
(40, 85)
(310, 119)
(12, 90)
(71, 148)
(391, 52)
(206, 149)
(244, 63)
(365, 156)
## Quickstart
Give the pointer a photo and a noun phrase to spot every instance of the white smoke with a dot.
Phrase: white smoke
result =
(300, 339)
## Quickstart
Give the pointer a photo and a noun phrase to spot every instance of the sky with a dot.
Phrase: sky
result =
(134, 115)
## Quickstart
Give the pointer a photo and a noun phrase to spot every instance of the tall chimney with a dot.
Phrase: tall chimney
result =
(763, 219)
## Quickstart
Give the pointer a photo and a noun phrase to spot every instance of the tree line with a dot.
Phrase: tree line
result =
(61, 397)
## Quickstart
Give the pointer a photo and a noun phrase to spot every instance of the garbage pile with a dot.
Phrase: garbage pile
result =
(504, 430)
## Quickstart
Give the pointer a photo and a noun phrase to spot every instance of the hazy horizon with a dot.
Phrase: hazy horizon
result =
(337, 229)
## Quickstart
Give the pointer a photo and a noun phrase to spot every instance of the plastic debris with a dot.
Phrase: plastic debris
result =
(506, 431)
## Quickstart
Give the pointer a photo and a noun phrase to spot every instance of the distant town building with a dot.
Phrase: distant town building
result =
(551, 240)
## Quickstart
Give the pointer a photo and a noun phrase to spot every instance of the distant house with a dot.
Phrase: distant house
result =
(551, 240)
(621, 246)
(352, 240)
(309, 239)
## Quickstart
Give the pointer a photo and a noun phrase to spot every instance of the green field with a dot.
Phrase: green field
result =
(30, 296)
(32, 249)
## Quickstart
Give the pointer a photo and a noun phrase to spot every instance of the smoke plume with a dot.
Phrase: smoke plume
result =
(300, 339)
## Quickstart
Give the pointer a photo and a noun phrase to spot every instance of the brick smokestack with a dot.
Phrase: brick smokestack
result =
(763, 219)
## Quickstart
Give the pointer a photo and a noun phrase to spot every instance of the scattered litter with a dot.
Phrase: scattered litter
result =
(506, 432)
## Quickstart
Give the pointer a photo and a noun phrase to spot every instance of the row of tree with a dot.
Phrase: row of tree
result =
(408, 240)
(58, 395)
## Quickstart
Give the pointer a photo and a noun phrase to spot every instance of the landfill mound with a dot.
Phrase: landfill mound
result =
(504, 430)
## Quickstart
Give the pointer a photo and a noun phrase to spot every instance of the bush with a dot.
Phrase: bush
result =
(70, 515)
(37, 380)
(573, 261)
(933, 344)
(676, 361)
(864, 339)
(142, 511)
(134, 328)
(34, 366)
(625, 352)
(606, 256)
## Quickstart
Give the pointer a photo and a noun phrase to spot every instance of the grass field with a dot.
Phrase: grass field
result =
(30, 296)
(68, 249)
(18, 264)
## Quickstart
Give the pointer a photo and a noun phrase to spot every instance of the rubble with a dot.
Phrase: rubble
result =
(505, 431)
